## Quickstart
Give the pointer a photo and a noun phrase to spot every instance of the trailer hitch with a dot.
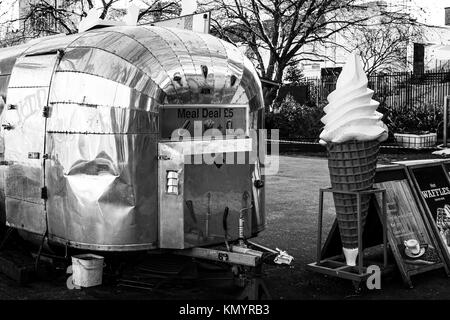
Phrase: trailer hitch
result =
(281, 256)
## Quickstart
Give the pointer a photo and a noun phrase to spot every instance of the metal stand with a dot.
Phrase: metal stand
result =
(332, 266)
(254, 287)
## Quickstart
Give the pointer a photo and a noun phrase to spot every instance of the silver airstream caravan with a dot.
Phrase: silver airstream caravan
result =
(89, 158)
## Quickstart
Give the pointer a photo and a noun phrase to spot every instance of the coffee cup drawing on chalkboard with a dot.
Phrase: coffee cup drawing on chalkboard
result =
(412, 245)
(413, 248)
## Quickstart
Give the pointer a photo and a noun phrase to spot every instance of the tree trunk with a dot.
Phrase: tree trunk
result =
(273, 99)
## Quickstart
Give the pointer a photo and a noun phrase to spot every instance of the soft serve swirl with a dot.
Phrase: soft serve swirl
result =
(351, 113)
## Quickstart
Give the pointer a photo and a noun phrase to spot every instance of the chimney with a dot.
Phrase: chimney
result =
(447, 16)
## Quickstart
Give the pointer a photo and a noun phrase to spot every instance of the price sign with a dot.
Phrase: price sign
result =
(197, 120)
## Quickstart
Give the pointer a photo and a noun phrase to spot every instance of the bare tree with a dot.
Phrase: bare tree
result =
(159, 10)
(47, 17)
(383, 48)
(276, 32)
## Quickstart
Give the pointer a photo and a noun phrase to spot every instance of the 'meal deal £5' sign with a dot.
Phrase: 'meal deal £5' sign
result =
(219, 118)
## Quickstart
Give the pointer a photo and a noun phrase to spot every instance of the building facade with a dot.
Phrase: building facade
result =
(422, 47)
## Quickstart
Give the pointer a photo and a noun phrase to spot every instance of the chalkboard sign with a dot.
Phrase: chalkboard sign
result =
(406, 220)
(433, 185)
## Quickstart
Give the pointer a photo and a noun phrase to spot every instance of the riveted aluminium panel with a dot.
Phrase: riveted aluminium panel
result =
(24, 137)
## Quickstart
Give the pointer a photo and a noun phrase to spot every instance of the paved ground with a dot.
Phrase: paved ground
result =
(292, 216)
(292, 202)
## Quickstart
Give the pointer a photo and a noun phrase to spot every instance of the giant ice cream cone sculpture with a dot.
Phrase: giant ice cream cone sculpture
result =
(352, 134)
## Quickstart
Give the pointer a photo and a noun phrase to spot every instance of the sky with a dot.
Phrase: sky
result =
(188, 6)
(435, 9)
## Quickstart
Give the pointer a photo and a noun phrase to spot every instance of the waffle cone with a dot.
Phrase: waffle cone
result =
(352, 167)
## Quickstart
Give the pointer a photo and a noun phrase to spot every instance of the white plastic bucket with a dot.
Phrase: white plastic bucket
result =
(87, 270)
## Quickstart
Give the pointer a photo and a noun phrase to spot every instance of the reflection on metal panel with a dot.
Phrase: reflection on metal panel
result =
(247, 82)
(166, 57)
(109, 66)
(258, 210)
(220, 70)
(77, 118)
(103, 184)
(34, 71)
(130, 45)
(24, 132)
(50, 44)
(187, 67)
(4, 81)
(88, 90)
(183, 66)
(8, 58)
(2, 196)
(193, 56)
(259, 216)
(235, 62)
(25, 215)
(240, 97)
(253, 88)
